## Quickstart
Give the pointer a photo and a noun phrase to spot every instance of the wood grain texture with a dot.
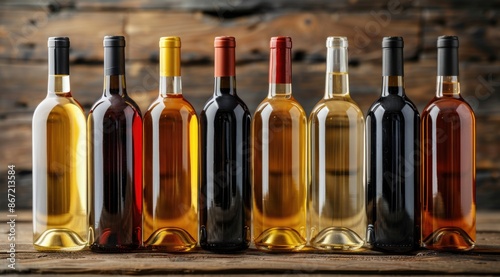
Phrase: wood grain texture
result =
(484, 260)
(307, 29)
(478, 30)
(24, 33)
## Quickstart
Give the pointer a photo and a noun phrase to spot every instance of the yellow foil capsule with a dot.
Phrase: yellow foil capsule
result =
(170, 55)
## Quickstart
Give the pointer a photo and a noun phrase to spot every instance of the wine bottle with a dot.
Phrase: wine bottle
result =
(60, 217)
(393, 145)
(115, 159)
(337, 128)
(279, 155)
(225, 188)
(170, 160)
(448, 160)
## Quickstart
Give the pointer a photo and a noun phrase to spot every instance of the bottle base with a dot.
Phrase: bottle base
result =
(59, 240)
(224, 247)
(337, 238)
(113, 242)
(170, 240)
(280, 239)
(449, 239)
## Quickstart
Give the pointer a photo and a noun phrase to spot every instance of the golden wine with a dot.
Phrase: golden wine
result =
(279, 155)
(60, 218)
(337, 216)
(170, 161)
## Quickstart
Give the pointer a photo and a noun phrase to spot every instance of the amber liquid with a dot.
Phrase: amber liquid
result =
(60, 218)
(337, 197)
(115, 171)
(448, 157)
(170, 175)
(279, 174)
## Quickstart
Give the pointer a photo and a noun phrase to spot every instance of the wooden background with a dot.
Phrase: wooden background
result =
(26, 25)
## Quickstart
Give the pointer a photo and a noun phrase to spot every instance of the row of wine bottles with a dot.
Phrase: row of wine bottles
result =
(169, 180)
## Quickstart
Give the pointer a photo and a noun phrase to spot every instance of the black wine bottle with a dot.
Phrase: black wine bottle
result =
(225, 189)
(393, 145)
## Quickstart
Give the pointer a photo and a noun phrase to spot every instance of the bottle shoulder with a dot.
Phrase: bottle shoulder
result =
(337, 107)
(393, 104)
(225, 104)
(448, 105)
(115, 104)
(58, 104)
(288, 107)
(167, 106)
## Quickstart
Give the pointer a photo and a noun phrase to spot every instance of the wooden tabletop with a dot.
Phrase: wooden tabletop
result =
(484, 260)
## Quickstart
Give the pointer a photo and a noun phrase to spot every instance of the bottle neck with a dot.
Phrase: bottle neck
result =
(448, 86)
(114, 71)
(225, 85)
(114, 85)
(170, 86)
(337, 79)
(59, 85)
(393, 85)
(280, 72)
(447, 71)
(170, 66)
(392, 71)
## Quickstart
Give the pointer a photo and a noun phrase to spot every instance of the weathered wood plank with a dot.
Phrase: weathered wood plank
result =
(239, 6)
(226, 8)
(478, 31)
(483, 260)
(307, 29)
(23, 34)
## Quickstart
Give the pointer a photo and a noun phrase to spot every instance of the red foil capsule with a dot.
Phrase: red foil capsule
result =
(280, 60)
(224, 56)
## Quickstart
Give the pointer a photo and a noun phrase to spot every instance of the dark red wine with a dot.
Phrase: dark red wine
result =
(393, 132)
(225, 190)
(115, 160)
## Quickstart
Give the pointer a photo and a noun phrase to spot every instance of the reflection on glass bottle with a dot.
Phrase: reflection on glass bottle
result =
(393, 145)
(115, 159)
(448, 160)
(279, 134)
(170, 161)
(60, 217)
(225, 189)
(337, 212)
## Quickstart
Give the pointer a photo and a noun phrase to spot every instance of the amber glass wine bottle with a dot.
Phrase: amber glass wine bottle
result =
(225, 189)
(448, 160)
(60, 217)
(279, 159)
(115, 159)
(393, 147)
(170, 160)
(337, 216)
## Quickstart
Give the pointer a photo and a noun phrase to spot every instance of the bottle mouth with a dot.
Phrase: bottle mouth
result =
(59, 42)
(224, 42)
(447, 42)
(336, 42)
(281, 42)
(114, 41)
(392, 42)
(170, 42)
